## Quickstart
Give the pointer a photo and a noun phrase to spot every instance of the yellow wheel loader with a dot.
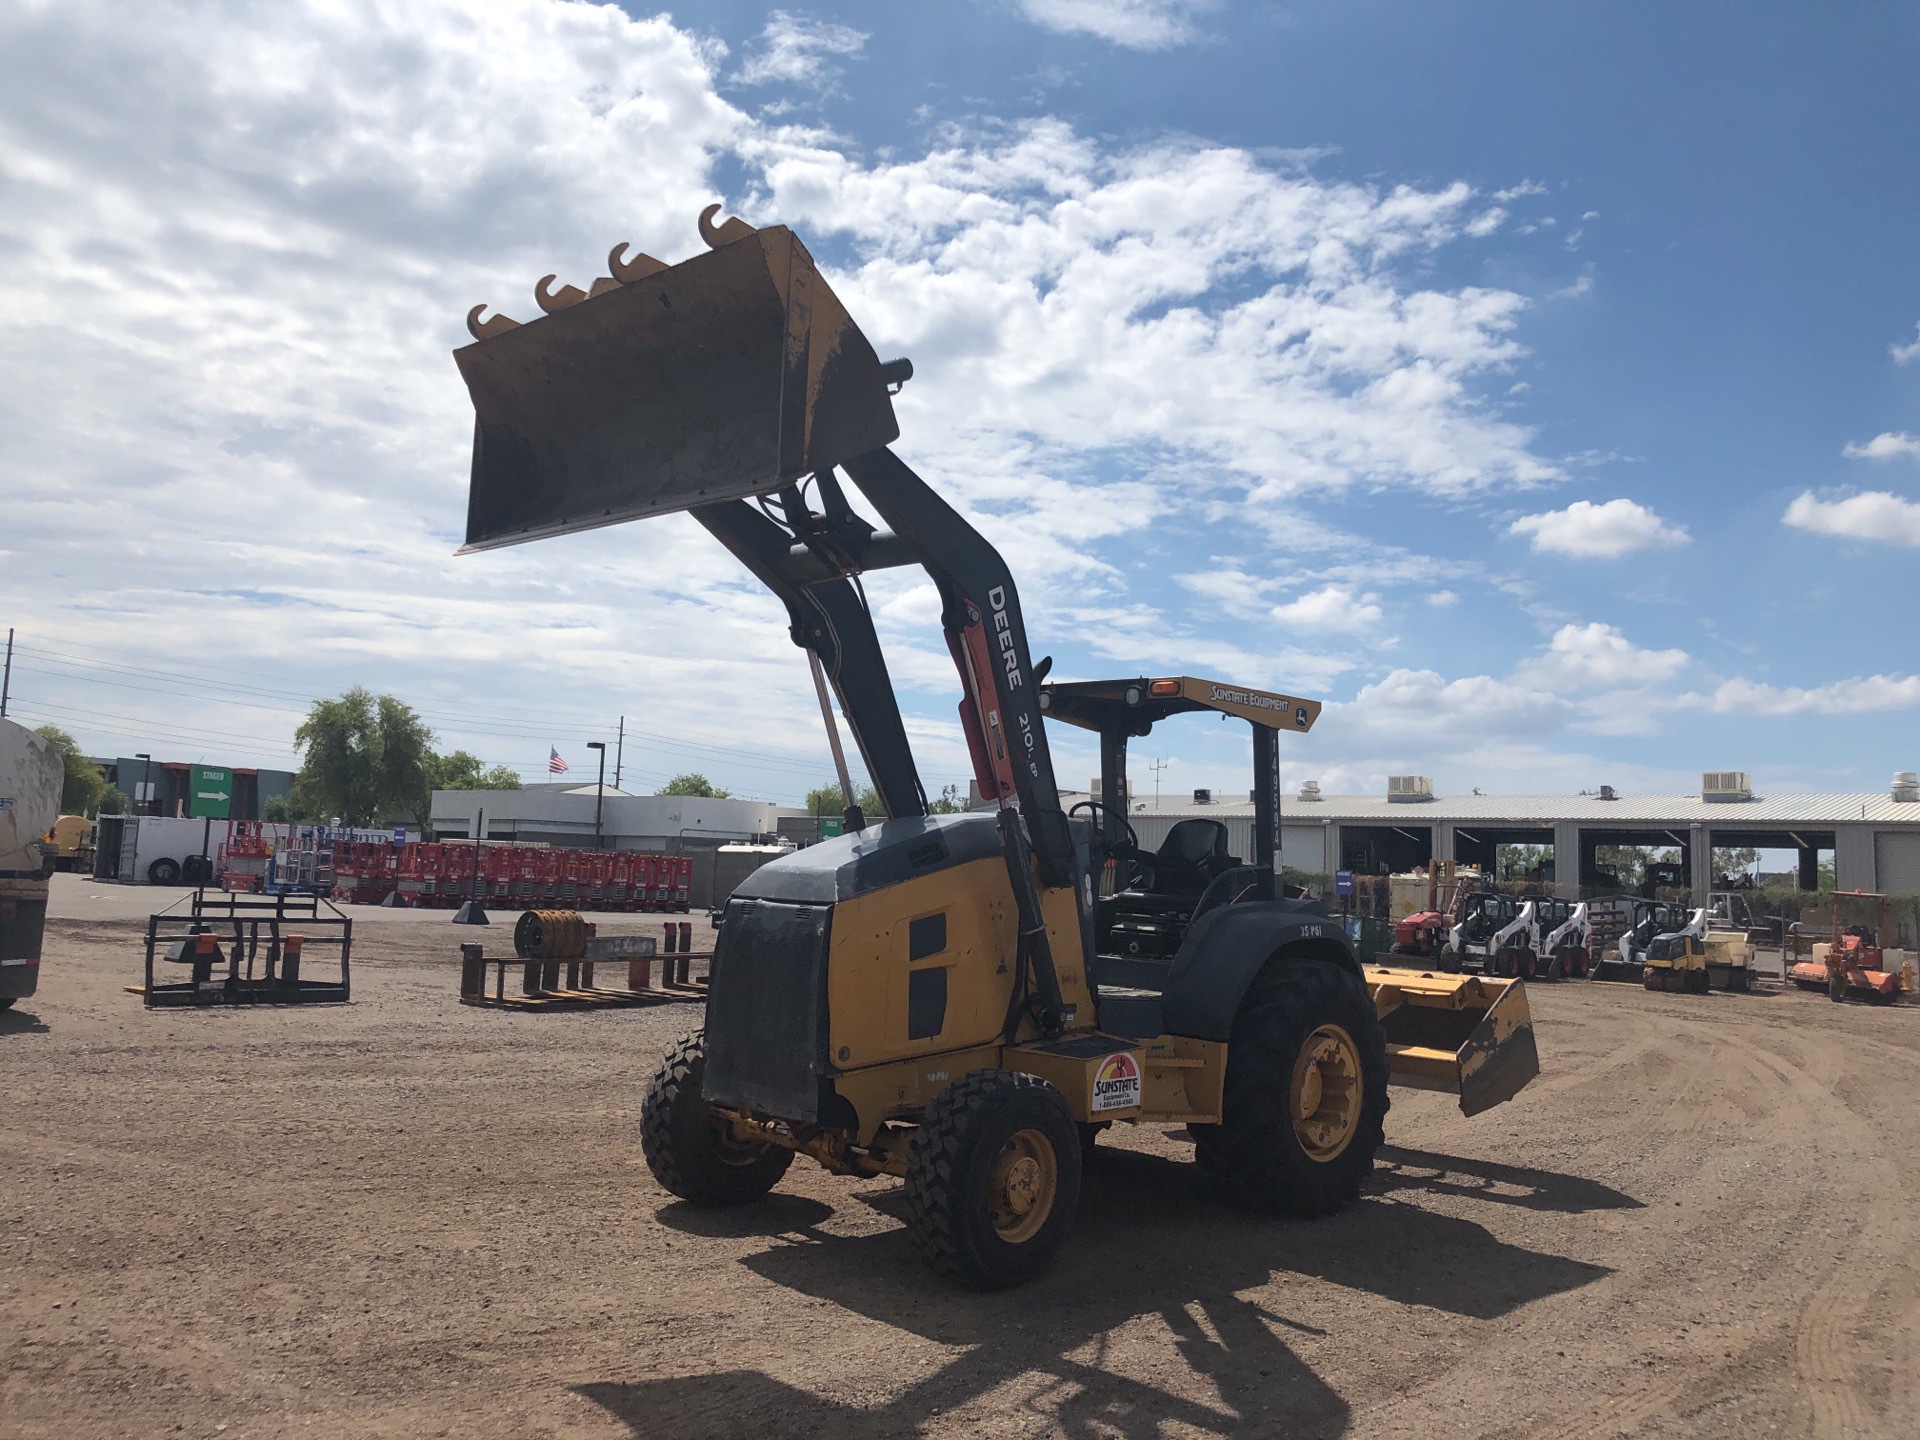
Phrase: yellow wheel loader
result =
(953, 999)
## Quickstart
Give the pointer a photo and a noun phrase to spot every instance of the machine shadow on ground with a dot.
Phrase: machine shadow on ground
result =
(22, 1022)
(1398, 1168)
(1151, 1240)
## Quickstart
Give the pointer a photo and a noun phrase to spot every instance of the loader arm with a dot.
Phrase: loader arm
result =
(831, 619)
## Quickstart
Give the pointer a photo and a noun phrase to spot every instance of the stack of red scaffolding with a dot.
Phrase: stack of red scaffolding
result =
(520, 877)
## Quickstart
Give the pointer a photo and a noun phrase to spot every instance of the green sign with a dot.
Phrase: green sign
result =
(831, 827)
(209, 792)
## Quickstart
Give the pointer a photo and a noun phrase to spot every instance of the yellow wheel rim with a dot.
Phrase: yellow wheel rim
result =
(1022, 1185)
(1324, 1102)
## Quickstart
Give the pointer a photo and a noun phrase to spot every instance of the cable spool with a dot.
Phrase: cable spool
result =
(550, 935)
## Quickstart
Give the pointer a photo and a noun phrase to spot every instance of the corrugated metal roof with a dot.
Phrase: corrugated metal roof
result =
(1762, 812)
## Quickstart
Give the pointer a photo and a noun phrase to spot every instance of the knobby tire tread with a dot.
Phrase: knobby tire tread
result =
(676, 1084)
(1253, 1156)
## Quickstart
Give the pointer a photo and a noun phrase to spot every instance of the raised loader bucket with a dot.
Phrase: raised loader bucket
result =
(665, 387)
(1466, 1034)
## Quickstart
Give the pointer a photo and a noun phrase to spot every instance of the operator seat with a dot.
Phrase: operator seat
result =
(1147, 921)
(1194, 852)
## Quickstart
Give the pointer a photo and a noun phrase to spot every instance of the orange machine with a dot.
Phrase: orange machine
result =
(1854, 961)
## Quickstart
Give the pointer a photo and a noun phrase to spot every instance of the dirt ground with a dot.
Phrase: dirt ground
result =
(408, 1217)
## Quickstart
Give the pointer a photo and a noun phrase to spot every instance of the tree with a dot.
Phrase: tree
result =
(1731, 862)
(951, 802)
(827, 801)
(365, 757)
(462, 771)
(1523, 862)
(85, 783)
(114, 801)
(695, 784)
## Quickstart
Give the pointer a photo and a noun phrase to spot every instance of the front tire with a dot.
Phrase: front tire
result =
(1306, 1093)
(692, 1152)
(993, 1177)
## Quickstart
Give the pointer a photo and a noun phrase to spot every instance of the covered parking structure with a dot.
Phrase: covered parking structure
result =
(1872, 840)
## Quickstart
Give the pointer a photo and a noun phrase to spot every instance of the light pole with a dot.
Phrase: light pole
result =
(600, 790)
(146, 779)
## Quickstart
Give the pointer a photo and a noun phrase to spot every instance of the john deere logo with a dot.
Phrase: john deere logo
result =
(1116, 1086)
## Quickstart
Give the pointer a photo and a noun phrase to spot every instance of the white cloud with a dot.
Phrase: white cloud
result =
(1063, 294)
(1135, 24)
(1856, 696)
(1598, 532)
(1487, 221)
(231, 293)
(1332, 609)
(1903, 353)
(1889, 445)
(1520, 191)
(1415, 707)
(794, 50)
(1597, 657)
(1873, 515)
(1443, 599)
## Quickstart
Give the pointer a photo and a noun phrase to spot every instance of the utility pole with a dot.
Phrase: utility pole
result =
(6, 679)
(1157, 767)
(620, 751)
(600, 789)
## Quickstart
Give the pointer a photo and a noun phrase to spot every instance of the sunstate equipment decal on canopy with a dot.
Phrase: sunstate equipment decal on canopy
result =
(1116, 1086)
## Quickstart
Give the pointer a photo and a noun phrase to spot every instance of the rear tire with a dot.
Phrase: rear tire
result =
(1262, 1155)
(993, 1177)
(1450, 961)
(1699, 982)
(164, 871)
(689, 1151)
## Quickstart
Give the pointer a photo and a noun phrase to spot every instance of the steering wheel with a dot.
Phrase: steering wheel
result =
(1128, 849)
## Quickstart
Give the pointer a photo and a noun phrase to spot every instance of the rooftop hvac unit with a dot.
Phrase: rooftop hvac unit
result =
(1606, 793)
(1409, 787)
(1309, 789)
(1203, 797)
(1725, 785)
(1906, 787)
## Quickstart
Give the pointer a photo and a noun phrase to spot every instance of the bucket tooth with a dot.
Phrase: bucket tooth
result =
(550, 300)
(725, 234)
(601, 286)
(638, 268)
(486, 329)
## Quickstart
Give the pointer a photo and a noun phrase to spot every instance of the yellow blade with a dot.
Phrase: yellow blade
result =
(1466, 1034)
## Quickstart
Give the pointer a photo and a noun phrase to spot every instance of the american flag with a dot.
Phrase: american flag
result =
(555, 765)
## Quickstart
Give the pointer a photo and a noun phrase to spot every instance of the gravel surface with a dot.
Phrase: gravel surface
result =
(407, 1217)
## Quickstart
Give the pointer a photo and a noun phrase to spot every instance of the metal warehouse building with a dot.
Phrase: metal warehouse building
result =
(1872, 840)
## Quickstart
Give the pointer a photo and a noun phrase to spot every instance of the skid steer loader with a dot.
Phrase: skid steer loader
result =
(1495, 936)
(1639, 921)
(946, 998)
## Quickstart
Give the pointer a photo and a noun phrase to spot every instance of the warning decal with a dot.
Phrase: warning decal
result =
(1116, 1085)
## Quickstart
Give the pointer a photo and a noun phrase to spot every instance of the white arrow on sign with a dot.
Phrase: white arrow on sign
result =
(209, 794)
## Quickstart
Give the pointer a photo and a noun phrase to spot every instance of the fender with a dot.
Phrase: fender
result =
(1227, 947)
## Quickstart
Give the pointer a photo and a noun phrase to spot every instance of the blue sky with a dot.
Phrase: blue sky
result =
(1528, 382)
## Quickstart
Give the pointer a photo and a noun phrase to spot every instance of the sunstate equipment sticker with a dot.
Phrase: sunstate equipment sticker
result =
(1116, 1086)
